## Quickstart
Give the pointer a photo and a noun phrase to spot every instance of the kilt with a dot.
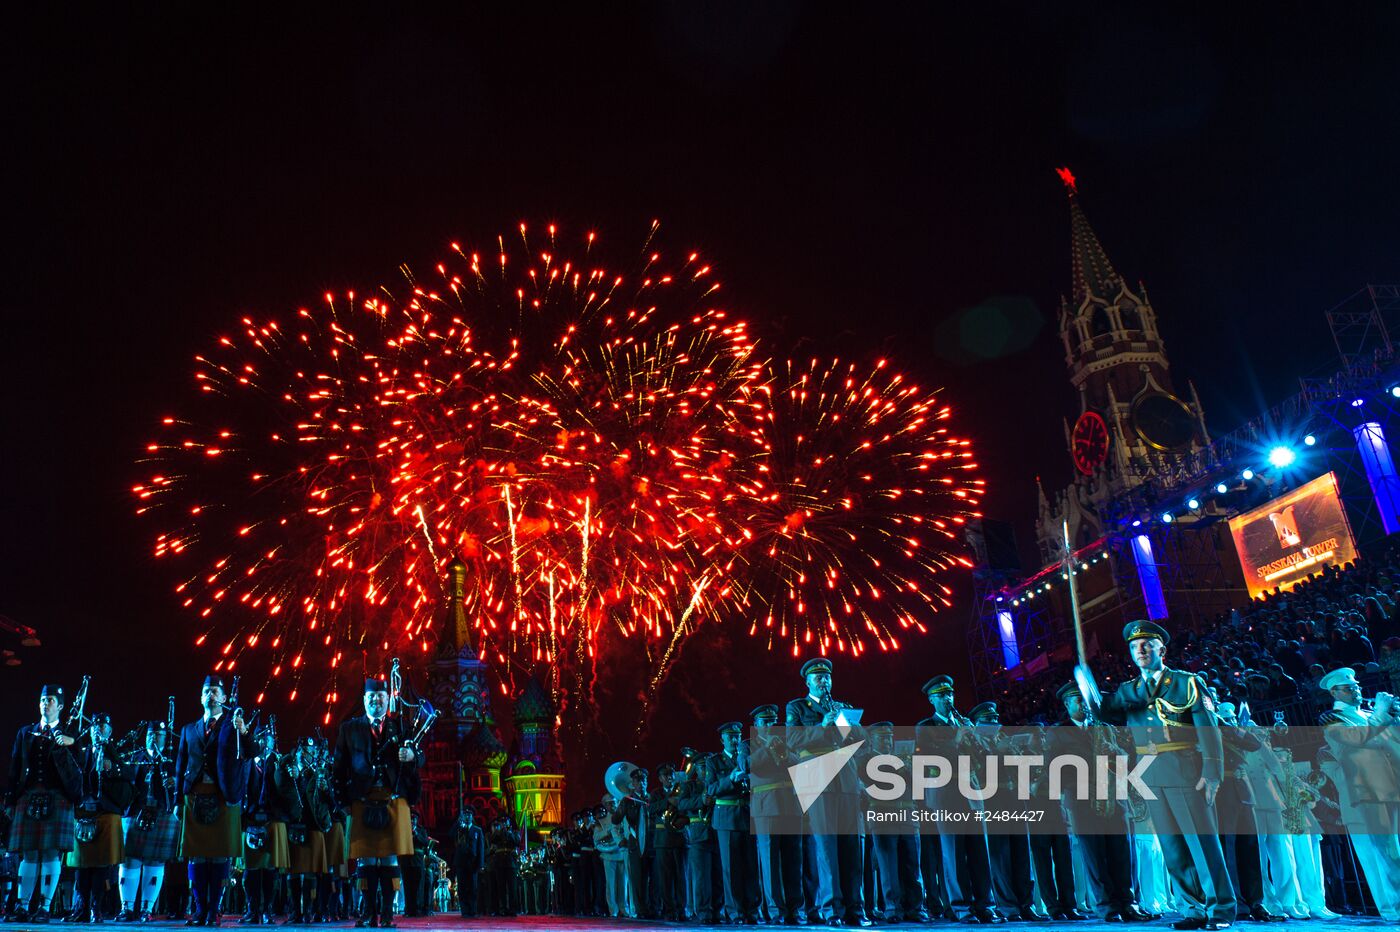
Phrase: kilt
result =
(221, 839)
(154, 845)
(389, 842)
(106, 847)
(309, 858)
(335, 845)
(273, 854)
(56, 833)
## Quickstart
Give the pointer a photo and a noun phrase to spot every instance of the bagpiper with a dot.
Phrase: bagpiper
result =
(152, 827)
(44, 785)
(265, 850)
(106, 794)
(308, 799)
(212, 782)
(376, 778)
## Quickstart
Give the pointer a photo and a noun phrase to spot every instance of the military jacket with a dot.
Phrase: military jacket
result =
(1174, 719)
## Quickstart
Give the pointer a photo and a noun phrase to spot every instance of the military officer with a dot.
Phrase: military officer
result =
(668, 846)
(1100, 826)
(896, 850)
(837, 839)
(729, 787)
(773, 809)
(1173, 719)
(1008, 851)
(1366, 745)
(966, 870)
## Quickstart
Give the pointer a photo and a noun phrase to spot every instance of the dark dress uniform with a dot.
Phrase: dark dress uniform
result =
(107, 792)
(836, 838)
(213, 779)
(965, 868)
(773, 808)
(1239, 839)
(730, 820)
(1185, 823)
(468, 860)
(154, 834)
(1101, 828)
(700, 849)
(378, 789)
(667, 843)
(896, 855)
(308, 802)
(264, 812)
(43, 788)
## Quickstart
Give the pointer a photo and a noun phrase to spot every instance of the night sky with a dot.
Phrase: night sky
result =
(861, 180)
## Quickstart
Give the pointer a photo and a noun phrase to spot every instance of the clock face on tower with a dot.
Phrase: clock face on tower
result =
(1089, 442)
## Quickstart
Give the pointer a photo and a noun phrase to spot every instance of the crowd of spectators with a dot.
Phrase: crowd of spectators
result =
(1269, 655)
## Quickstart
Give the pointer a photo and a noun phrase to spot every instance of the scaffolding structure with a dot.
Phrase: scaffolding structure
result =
(1194, 553)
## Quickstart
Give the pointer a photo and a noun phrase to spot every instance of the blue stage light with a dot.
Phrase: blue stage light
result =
(1137, 523)
(1282, 457)
(1395, 391)
(1168, 517)
(1193, 503)
(1247, 475)
(1309, 440)
(1221, 488)
(1357, 402)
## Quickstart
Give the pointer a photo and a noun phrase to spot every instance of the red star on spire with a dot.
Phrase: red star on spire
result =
(1067, 177)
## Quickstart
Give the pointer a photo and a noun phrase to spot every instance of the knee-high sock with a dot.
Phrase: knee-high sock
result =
(369, 889)
(388, 886)
(48, 880)
(218, 874)
(152, 876)
(269, 889)
(294, 895)
(82, 888)
(28, 882)
(130, 883)
(252, 891)
(322, 903)
(199, 886)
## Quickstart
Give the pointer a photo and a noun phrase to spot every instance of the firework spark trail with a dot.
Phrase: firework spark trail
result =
(610, 455)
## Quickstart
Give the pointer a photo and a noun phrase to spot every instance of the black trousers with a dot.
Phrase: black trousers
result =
(1054, 871)
(967, 871)
(1242, 861)
(412, 885)
(931, 866)
(1011, 874)
(668, 881)
(468, 884)
(1109, 861)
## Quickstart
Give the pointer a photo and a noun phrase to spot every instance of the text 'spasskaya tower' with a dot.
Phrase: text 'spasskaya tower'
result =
(1132, 422)
(459, 686)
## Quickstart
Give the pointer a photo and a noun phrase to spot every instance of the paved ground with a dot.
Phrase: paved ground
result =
(570, 924)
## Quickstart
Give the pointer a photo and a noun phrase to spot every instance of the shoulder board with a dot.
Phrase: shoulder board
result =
(1331, 717)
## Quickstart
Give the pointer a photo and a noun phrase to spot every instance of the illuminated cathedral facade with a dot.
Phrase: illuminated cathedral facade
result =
(526, 781)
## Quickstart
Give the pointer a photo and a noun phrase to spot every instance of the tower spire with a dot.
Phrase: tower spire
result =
(1094, 274)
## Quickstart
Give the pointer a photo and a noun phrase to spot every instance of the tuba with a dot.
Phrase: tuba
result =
(618, 781)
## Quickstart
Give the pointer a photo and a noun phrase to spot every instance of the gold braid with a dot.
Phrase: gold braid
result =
(1164, 707)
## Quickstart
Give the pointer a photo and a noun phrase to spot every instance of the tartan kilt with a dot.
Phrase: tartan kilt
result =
(309, 858)
(106, 847)
(223, 838)
(336, 853)
(155, 845)
(389, 842)
(59, 832)
(273, 855)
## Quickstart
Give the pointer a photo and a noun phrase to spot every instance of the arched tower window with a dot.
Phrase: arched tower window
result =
(1130, 316)
(1099, 324)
